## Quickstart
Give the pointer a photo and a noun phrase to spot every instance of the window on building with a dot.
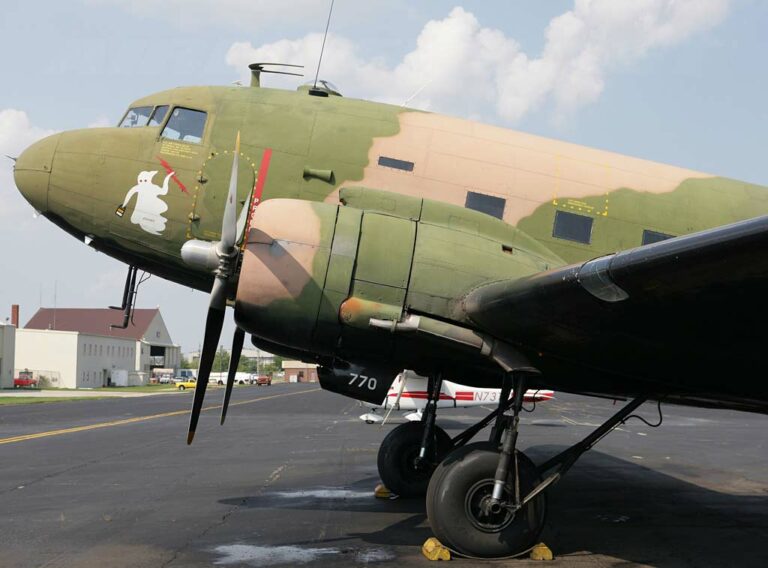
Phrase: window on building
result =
(650, 237)
(572, 227)
(185, 124)
(84, 348)
(488, 204)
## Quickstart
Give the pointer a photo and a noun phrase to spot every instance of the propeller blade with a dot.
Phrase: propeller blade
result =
(243, 218)
(213, 325)
(234, 361)
(229, 221)
(219, 294)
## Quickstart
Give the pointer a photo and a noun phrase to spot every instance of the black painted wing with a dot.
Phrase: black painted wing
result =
(686, 317)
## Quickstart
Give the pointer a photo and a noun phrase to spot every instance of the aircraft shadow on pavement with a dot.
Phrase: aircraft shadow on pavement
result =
(605, 506)
(619, 508)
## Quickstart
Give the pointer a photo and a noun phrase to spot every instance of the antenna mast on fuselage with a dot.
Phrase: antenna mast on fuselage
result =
(314, 90)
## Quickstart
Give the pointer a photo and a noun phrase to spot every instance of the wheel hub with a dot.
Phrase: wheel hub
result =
(481, 510)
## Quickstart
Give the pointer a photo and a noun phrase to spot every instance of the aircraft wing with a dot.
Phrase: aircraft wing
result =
(687, 316)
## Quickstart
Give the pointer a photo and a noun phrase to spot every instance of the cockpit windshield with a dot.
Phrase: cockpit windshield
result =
(137, 116)
(144, 116)
(158, 116)
(185, 124)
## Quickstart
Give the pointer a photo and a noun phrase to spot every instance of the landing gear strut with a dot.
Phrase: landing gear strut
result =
(487, 499)
(409, 454)
(474, 500)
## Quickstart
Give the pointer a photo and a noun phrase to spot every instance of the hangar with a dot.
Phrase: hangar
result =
(80, 348)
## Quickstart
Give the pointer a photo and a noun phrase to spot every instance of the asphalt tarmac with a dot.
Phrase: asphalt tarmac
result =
(288, 481)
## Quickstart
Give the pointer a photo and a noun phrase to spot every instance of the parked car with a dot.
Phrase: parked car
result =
(183, 385)
(264, 380)
(164, 380)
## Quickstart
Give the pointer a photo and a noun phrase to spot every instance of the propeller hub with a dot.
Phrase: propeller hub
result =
(201, 254)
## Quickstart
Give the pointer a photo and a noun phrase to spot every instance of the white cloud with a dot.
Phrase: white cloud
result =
(460, 67)
(16, 133)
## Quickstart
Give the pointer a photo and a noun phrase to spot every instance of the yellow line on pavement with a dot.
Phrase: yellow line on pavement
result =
(26, 437)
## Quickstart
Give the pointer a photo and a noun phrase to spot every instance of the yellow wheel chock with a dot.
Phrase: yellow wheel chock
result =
(433, 550)
(541, 552)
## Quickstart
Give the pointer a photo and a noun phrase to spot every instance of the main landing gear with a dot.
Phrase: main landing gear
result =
(476, 497)
(485, 499)
(409, 454)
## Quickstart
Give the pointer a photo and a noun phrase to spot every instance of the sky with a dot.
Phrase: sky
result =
(683, 82)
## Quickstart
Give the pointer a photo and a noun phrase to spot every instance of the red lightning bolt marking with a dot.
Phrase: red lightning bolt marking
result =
(169, 169)
(258, 189)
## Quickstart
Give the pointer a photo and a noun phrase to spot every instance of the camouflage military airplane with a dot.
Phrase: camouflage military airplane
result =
(371, 238)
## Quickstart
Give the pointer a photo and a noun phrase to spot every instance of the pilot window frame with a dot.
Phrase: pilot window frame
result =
(133, 109)
(574, 233)
(170, 115)
(161, 122)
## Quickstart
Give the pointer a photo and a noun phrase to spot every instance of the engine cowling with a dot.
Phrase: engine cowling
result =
(374, 286)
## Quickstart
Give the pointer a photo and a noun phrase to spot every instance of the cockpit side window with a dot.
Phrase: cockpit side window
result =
(158, 116)
(135, 117)
(185, 124)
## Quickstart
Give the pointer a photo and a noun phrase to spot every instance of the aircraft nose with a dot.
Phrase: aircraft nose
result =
(32, 172)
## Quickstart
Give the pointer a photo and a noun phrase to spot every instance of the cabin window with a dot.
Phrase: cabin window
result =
(650, 237)
(158, 116)
(395, 163)
(572, 227)
(185, 124)
(488, 204)
(135, 117)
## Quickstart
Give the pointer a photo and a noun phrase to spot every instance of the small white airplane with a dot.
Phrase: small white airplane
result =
(409, 392)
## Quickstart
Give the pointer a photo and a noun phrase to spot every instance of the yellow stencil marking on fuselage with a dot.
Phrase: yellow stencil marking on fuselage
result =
(26, 437)
(177, 149)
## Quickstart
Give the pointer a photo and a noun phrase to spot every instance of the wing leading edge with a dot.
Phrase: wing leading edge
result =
(685, 317)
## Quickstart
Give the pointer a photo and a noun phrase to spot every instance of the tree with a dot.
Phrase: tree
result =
(221, 361)
(188, 363)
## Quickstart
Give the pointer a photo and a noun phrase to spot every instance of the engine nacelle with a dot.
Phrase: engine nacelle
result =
(376, 284)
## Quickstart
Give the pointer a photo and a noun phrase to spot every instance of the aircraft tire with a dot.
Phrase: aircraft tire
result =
(454, 496)
(397, 455)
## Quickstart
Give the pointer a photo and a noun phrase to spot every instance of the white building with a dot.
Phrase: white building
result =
(78, 348)
(7, 350)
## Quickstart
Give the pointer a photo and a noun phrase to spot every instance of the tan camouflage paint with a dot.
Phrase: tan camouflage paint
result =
(452, 156)
(281, 269)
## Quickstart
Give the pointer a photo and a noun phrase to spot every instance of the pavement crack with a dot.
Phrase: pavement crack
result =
(270, 480)
(79, 466)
